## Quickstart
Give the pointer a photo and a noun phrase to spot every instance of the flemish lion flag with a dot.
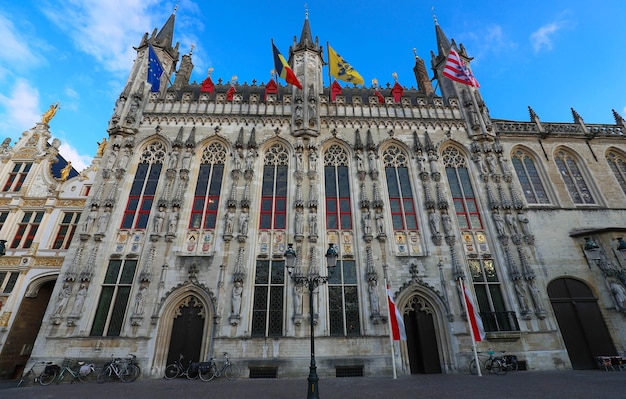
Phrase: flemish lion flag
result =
(283, 69)
(340, 69)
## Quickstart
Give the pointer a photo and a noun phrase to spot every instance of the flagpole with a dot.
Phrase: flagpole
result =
(330, 78)
(469, 323)
(389, 316)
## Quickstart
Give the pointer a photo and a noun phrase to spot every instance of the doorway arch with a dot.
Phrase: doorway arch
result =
(187, 305)
(581, 323)
(427, 349)
(26, 325)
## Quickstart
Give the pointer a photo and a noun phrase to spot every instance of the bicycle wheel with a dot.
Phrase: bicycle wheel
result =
(47, 378)
(104, 375)
(232, 372)
(192, 373)
(131, 373)
(171, 371)
(472, 367)
(498, 368)
(207, 373)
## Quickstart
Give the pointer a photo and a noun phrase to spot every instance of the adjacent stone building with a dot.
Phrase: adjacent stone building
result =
(41, 202)
(202, 186)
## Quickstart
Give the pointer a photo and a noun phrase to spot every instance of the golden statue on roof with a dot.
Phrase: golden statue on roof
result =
(49, 114)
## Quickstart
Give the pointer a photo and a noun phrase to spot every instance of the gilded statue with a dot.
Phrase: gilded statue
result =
(101, 147)
(65, 172)
(49, 114)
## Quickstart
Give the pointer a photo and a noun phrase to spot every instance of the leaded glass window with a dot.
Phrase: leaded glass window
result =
(617, 163)
(463, 197)
(66, 230)
(343, 299)
(337, 189)
(27, 229)
(401, 202)
(529, 178)
(274, 189)
(208, 187)
(113, 302)
(17, 176)
(573, 178)
(143, 189)
(489, 295)
(268, 302)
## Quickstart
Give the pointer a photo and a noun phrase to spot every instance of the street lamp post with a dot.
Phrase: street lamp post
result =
(312, 281)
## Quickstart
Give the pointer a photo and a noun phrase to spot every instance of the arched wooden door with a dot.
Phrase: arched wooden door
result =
(580, 321)
(422, 346)
(187, 331)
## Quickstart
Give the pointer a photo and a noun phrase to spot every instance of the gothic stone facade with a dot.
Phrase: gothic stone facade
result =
(205, 185)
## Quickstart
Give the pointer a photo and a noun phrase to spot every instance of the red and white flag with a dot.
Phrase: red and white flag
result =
(472, 313)
(395, 319)
(456, 70)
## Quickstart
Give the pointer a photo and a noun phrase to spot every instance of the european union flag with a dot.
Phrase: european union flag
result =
(155, 70)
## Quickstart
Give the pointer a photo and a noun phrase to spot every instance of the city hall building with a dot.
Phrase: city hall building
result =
(201, 188)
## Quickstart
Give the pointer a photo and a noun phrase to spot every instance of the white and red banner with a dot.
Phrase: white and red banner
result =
(395, 319)
(476, 322)
(456, 70)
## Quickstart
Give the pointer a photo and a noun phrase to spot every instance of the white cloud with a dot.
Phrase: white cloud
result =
(79, 161)
(542, 38)
(15, 49)
(20, 109)
(106, 29)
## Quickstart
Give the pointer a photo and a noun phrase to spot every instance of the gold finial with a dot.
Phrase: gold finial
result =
(434, 16)
(233, 80)
(49, 114)
(210, 71)
(375, 82)
(272, 72)
(395, 76)
(415, 53)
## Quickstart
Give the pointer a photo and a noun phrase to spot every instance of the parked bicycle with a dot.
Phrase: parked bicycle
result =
(81, 372)
(499, 365)
(126, 370)
(190, 371)
(230, 370)
(27, 374)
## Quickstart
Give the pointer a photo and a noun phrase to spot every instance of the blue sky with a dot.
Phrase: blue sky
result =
(552, 55)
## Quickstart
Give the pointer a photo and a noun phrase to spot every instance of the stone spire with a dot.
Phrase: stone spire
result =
(424, 85)
(306, 38)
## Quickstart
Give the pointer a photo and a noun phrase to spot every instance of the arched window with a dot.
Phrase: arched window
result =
(208, 187)
(529, 178)
(483, 270)
(269, 279)
(274, 189)
(141, 196)
(399, 188)
(461, 189)
(573, 178)
(618, 166)
(337, 189)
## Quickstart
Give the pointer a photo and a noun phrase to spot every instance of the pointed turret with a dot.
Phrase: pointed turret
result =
(165, 37)
(619, 120)
(184, 72)
(306, 38)
(443, 44)
(424, 85)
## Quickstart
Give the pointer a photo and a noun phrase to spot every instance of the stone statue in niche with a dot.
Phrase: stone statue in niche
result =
(236, 297)
(140, 299)
(62, 300)
(79, 301)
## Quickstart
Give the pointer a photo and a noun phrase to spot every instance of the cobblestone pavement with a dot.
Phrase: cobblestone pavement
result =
(586, 384)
